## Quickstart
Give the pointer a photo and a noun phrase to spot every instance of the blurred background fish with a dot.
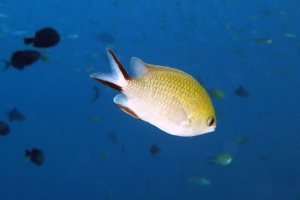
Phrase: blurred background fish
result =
(4, 128)
(44, 38)
(105, 39)
(241, 140)
(217, 93)
(198, 179)
(21, 59)
(241, 91)
(15, 114)
(36, 156)
(223, 159)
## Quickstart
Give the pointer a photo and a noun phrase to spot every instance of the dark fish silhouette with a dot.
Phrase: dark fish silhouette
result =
(14, 114)
(4, 128)
(242, 92)
(113, 138)
(96, 93)
(21, 59)
(106, 39)
(44, 38)
(154, 149)
(36, 156)
(122, 150)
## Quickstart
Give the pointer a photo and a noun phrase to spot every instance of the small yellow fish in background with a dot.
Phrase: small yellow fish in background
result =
(165, 97)
(104, 154)
(45, 59)
(216, 93)
(198, 179)
(241, 140)
(94, 119)
(222, 159)
(289, 35)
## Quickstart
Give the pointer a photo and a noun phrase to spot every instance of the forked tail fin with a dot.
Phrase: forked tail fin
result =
(118, 77)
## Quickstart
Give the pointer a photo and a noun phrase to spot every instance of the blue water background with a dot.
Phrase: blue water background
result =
(213, 40)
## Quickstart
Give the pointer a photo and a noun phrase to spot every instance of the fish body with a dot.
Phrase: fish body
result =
(4, 128)
(94, 119)
(44, 38)
(264, 40)
(242, 92)
(96, 93)
(241, 140)
(165, 97)
(154, 149)
(222, 159)
(21, 59)
(113, 138)
(106, 39)
(36, 156)
(198, 179)
(216, 93)
(14, 114)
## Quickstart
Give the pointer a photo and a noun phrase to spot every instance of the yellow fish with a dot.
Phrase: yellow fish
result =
(165, 97)
(241, 140)
(217, 93)
(94, 119)
(222, 159)
(201, 180)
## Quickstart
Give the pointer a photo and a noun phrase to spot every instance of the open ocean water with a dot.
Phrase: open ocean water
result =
(93, 150)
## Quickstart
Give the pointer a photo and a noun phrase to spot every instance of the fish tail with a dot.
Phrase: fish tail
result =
(118, 78)
(7, 64)
(28, 40)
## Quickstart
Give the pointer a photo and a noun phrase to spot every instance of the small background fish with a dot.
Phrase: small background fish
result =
(36, 156)
(14, 114)
(4, 128)
(44, 38)
(21, 59)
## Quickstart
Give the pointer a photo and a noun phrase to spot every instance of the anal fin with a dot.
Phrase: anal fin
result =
(122, 102)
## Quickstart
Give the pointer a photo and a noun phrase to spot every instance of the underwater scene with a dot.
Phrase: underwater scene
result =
(158, 99)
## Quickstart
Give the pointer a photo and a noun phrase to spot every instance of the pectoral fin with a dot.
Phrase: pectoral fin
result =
(179, 115)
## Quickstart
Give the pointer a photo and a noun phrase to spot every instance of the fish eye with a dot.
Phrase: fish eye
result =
(210, 121)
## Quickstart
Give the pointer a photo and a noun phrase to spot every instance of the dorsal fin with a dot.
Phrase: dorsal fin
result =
(115, 64)
(138, 67)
